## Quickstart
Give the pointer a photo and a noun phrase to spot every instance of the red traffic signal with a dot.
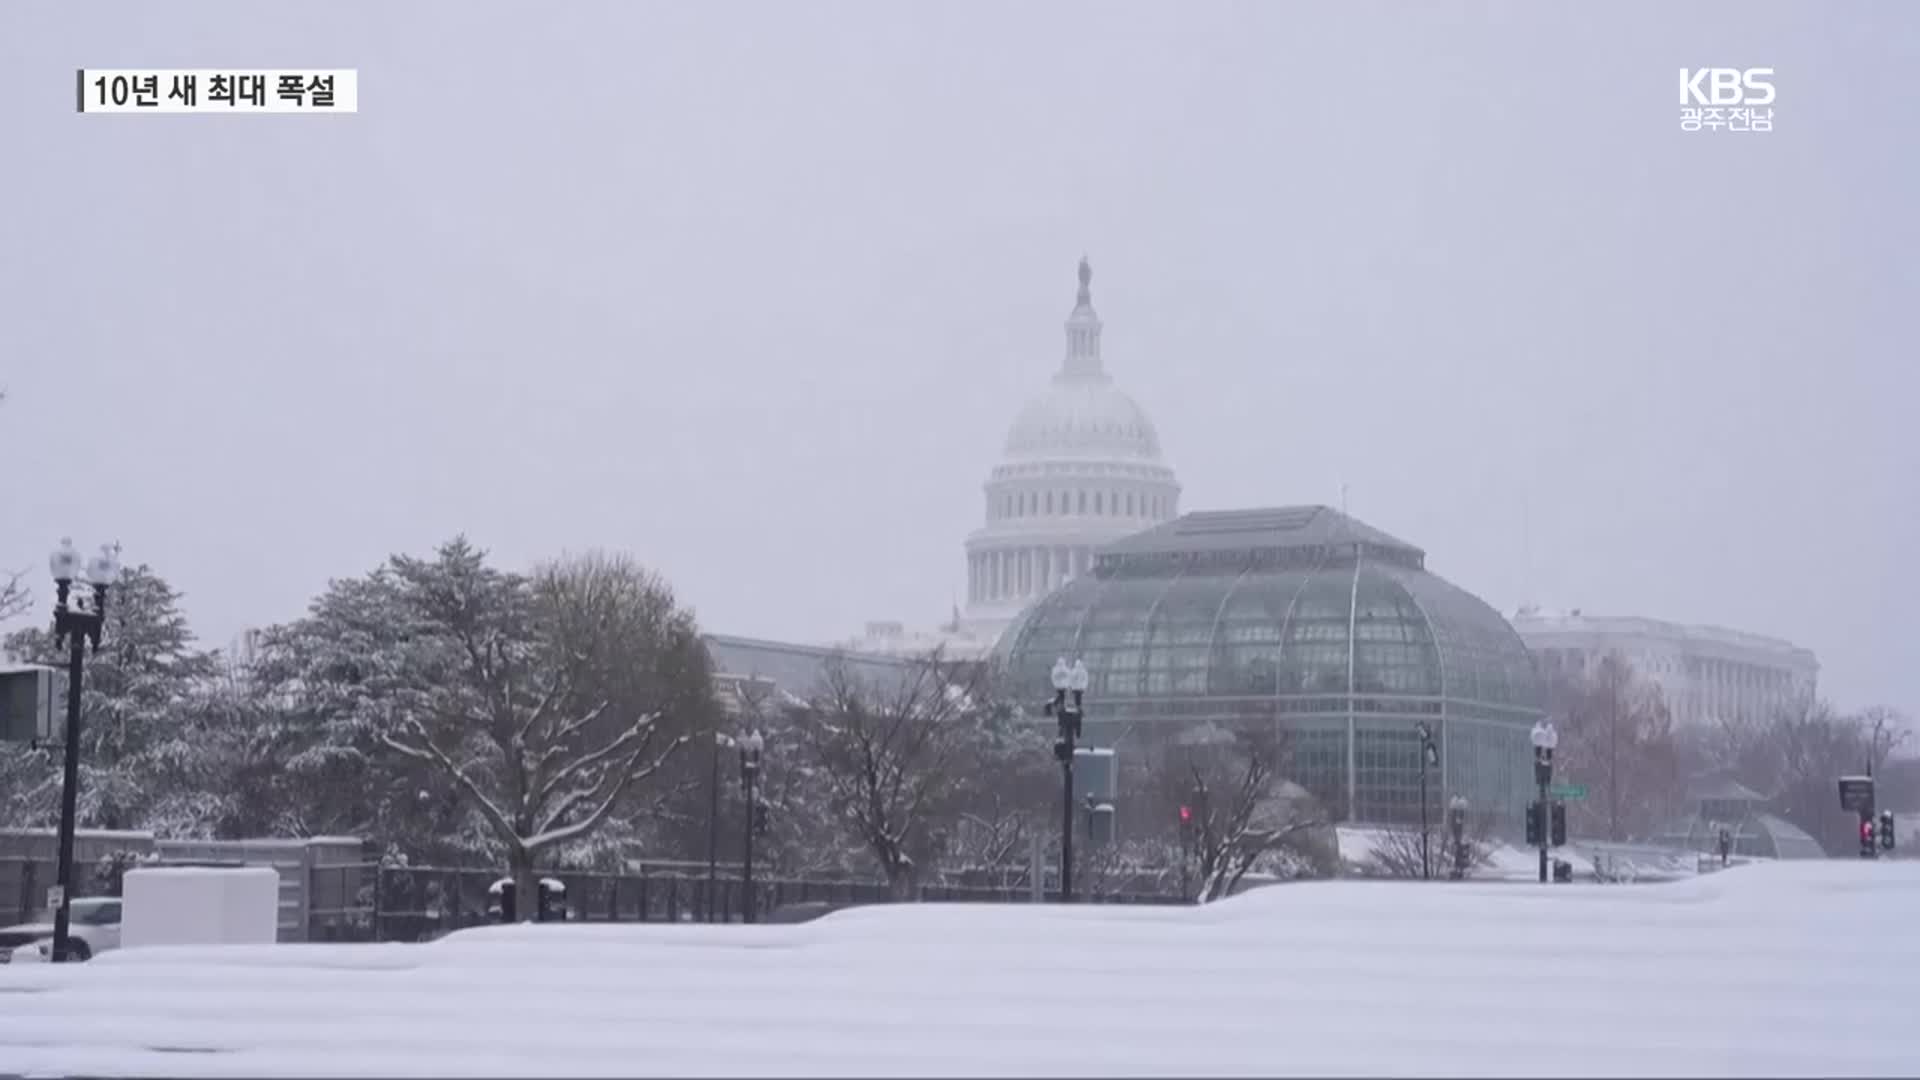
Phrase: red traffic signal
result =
(1866, 831)
(1186, 815)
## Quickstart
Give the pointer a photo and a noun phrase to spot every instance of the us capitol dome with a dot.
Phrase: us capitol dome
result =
(1081, 468)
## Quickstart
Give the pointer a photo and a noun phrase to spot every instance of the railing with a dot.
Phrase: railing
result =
(369, 902)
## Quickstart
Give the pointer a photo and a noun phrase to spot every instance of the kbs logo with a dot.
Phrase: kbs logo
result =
(1730, 99)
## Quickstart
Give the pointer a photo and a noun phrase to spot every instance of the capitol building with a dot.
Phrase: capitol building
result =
(1081, 468)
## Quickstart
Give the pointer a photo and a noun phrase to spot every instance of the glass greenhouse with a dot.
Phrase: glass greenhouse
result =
(1723, 803)
(1314, 621)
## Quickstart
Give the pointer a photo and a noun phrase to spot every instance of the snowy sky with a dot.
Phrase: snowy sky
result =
(754, 290)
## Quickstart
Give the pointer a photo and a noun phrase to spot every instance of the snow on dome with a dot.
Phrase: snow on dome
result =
(1080, 417)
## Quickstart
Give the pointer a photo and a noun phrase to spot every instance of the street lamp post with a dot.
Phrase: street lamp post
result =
(1067, 679)
(1429, 756)
(1545, 738)
(75, 625)
(713, 824)
(751, 744)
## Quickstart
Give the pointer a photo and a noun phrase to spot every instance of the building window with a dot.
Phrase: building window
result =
(1049, 502)
(1083, 502)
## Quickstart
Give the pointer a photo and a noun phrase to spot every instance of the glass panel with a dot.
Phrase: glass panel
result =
(1394, 649)
(1115, 641)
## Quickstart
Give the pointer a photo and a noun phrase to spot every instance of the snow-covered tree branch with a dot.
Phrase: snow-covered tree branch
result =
(893, 757)
(544, 702)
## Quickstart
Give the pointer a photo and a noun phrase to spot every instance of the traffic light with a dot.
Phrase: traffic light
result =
(762, 819)
(1186, 817)
(1559, 824)
(1886, 830)
(1534, 831)
(1866, 837)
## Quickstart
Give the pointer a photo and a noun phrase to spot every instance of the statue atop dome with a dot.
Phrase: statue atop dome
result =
(1086, 283)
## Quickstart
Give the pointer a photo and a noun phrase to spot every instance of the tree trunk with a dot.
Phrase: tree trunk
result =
(901, 881)
(526, 883)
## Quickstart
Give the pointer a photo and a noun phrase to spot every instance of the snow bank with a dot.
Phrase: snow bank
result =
(1804, 969)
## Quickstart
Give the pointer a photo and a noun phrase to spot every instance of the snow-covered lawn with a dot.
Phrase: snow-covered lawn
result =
(1779, 969)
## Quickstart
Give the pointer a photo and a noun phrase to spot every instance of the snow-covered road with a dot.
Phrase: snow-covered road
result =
(1781, 969)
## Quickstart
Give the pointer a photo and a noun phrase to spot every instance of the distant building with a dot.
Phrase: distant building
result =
(1705, 673)
(754, 669)
(1081, 468)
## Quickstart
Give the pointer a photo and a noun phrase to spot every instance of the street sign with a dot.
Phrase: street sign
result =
(1856, 794)
(1568, 791)
(56, 897)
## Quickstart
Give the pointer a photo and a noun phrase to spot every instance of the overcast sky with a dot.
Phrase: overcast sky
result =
(753, 291)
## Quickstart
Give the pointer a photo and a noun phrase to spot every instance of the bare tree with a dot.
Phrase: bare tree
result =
(891, 755)
(14, 596)
(1397, 851)
(1794, 755)
(803, 837)
(1616, 737)
(1243, 814)
(1886, 730)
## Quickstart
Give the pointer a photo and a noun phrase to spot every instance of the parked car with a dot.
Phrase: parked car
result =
(94, 928)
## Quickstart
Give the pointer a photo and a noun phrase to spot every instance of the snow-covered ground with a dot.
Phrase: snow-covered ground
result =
(1777, 969)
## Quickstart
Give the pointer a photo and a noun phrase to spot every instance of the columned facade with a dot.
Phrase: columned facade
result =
(1706, 674)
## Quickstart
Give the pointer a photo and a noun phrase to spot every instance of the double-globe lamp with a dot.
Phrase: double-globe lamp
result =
(1067, 678)
(76, 624)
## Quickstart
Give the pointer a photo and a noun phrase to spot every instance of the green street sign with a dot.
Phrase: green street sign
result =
(1568, 791)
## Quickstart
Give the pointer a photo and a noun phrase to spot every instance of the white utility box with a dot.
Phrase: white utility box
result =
(200, 905)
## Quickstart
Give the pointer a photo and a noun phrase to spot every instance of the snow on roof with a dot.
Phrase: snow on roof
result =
(166, 871)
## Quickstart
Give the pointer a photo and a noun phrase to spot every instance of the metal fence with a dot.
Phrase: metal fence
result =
(368, 902)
